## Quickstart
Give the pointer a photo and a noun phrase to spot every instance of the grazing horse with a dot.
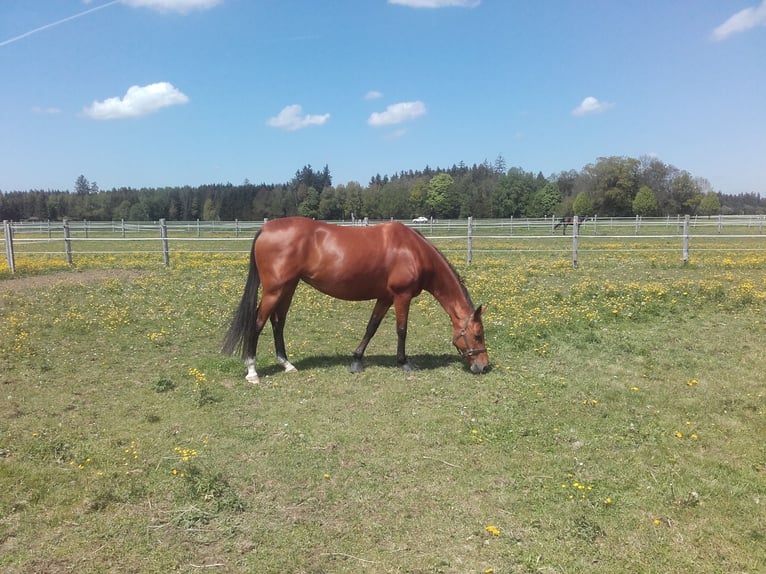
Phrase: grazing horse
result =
(390, 263)
(570, 221)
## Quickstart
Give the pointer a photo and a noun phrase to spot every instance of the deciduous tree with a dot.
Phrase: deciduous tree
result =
(645, 203)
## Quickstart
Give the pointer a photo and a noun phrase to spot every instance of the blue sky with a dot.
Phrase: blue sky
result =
(147, 93)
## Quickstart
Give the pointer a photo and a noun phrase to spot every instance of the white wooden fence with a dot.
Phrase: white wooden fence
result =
(509, 233)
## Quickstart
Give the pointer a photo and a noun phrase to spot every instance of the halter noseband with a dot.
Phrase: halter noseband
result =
(470, 351)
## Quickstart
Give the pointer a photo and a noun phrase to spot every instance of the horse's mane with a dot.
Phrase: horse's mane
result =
(449, 265)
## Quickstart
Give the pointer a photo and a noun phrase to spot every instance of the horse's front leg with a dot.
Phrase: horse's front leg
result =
(402, 309)
(378, 312)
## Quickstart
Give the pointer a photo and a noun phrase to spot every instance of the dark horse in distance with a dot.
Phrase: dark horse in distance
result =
(569, 220)
(389, 263)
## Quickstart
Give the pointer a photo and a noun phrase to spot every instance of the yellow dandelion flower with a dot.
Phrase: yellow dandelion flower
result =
(493, 530)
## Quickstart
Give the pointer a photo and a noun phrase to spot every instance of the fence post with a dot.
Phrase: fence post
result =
(67, 242)
(164, 237)
(575, 236)
(638, 223)
(9, 245)
(198, 229)
(720, 223)
(685, 254)
(236, 226)
(122, 227)
(469, 257)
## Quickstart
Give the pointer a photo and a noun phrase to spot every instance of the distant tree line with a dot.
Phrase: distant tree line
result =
(611, 186)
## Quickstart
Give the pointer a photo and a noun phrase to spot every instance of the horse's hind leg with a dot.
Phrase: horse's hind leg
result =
(252, 375)
(380, 310)
(264, 311)
(278, 316)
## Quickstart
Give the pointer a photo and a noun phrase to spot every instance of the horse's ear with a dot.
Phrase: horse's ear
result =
(480, 310)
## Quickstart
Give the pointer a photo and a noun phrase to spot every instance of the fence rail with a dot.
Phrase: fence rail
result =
(70, 238)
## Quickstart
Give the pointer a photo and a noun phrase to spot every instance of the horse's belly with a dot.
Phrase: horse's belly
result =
(353, 289)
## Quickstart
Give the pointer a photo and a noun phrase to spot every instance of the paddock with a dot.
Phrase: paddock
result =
(620, 427)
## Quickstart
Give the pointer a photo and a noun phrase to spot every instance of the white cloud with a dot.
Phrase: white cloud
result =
(181, 6)
(373, 95)
(137, 101)
(742, 21)
(437, 3)
(397, 113)
(591, 105)
(291, 118)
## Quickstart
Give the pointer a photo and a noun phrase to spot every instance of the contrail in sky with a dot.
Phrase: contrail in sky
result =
(56, 23)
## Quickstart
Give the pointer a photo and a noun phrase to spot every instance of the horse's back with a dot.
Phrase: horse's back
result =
(301, 233)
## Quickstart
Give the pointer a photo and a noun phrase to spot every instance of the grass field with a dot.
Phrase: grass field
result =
(621, 428)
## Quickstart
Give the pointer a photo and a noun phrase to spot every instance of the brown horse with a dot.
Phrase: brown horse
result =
(390, 263)
(569, 220)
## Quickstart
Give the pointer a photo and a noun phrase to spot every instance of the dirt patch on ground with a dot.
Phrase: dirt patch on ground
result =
(67, 278)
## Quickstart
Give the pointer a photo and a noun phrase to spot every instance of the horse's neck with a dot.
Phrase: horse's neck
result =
(446, 288)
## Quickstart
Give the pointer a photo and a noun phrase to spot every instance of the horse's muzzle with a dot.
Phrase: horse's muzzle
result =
(479, 367)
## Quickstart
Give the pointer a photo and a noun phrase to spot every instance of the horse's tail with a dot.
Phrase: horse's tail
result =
(241, 334)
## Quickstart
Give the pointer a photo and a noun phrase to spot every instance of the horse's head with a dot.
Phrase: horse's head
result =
(469, 340)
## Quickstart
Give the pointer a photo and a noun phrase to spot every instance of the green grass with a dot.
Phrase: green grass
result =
(620, 429)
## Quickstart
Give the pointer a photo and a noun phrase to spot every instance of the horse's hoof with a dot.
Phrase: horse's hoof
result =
(290, 369)
(356, 367)
(254, 379)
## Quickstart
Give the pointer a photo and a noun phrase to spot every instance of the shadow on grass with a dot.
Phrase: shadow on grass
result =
(420, 362)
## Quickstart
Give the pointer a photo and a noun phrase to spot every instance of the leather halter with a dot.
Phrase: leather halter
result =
(470, 351)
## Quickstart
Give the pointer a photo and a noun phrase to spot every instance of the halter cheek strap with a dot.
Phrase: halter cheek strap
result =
(469, 351)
